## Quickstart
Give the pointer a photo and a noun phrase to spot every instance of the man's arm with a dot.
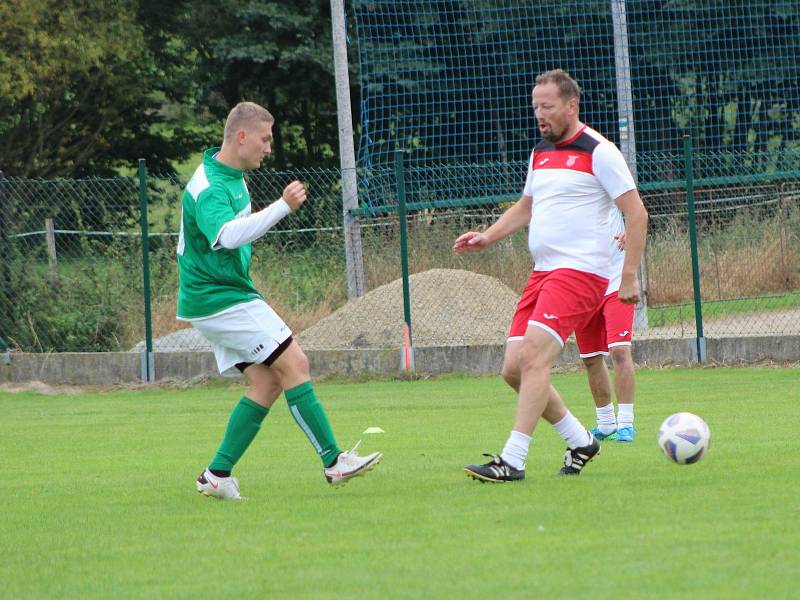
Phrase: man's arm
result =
(238, 232)
(635, 236)
(514, 219)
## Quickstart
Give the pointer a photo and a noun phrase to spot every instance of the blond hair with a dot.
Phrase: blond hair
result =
(244, 116)
(567, 87)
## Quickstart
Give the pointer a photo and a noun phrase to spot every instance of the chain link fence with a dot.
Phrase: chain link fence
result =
(71, 260)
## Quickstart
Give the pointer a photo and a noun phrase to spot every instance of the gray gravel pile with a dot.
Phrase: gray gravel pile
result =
(449, 307)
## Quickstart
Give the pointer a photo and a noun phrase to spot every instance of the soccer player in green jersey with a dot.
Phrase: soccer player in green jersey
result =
(217, 296)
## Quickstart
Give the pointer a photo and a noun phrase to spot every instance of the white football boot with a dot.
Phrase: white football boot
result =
(349, 464)
(224, 488)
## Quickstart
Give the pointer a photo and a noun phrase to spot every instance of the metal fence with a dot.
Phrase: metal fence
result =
(72, 277)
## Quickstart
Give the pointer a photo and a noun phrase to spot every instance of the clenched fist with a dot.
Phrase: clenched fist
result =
(294, 195)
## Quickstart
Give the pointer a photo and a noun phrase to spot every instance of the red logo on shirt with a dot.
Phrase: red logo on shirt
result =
(563, 159)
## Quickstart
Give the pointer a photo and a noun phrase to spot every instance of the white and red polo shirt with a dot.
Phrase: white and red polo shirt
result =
(573, 185)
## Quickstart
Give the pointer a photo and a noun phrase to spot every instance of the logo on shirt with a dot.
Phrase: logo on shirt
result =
(571, 160)
(624, 333)
(544, 160)
(546, 316)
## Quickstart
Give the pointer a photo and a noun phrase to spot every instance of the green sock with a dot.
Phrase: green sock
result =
(243, 425)
(311, 418)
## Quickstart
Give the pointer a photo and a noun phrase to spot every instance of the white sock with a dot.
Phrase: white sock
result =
(572, 431)
(516, 449)
(606, 422)
(625, 414)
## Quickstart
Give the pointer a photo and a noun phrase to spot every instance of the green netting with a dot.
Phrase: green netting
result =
(449, 82)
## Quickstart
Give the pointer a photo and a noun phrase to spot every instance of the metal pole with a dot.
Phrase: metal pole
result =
(627, 134)
(698, 302)
(347, 158)
(6, 219)
(408, 356)
(148, 371)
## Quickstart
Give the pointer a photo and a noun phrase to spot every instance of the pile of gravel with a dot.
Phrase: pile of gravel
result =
(449, 307)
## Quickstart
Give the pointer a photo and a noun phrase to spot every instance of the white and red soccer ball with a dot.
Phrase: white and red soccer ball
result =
(684, 438)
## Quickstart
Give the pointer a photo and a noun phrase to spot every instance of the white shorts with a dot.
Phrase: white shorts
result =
(248, 332)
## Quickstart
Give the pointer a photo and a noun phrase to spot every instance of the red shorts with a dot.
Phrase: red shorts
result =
(611, 325)
(557, 301)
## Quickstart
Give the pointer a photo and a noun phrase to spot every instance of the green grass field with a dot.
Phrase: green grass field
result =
(683, 313)
(99, 500)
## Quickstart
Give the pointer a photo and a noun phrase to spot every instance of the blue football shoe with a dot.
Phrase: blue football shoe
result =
(626, 434)
(604, 436)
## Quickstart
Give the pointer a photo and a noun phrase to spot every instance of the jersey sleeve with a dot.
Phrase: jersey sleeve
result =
(212, 211)
(528, 189)
(611, 170)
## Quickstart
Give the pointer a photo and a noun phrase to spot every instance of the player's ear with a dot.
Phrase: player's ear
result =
(241, 136)
(573, 105)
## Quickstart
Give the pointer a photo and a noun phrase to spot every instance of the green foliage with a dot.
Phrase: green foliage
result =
(276, 53)
(79, 308)
(82, 85)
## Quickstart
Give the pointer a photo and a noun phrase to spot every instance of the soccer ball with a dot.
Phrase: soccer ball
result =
(684, 438)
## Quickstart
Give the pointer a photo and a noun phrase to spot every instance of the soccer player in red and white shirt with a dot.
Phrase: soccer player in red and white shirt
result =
(575, 176)
(610, 331)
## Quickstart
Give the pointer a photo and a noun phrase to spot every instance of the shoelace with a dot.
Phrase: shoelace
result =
(350, 455)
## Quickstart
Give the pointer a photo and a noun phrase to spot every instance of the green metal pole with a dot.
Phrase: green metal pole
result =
(401, 207)
(147, 370)
(698, 302)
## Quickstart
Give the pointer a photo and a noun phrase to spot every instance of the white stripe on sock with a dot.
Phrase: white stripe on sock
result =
(304, 426)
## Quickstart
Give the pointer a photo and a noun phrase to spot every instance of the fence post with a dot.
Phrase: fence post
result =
(408, 343)
(698, 302)
(627, 132)
(5, 258)
(148, 370)
(351, 227)
(50, 234)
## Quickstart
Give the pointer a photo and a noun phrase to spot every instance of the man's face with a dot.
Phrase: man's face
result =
(554, 114)
(255, 144)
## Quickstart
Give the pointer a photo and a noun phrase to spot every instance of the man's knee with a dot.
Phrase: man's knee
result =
(593, 363)
(534, 355)
(621, 356)
(262, 386)
(511, 375)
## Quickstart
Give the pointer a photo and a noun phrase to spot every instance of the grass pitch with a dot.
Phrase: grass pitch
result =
(98, 497)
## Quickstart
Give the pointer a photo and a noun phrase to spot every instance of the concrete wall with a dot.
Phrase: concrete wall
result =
(125, 367)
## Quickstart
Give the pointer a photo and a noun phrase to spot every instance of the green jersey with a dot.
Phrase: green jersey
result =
(212, 278)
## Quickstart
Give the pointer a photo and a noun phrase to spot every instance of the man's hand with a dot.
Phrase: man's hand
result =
(620, 237)
(294, 195)
(629, 289)
(472, 241)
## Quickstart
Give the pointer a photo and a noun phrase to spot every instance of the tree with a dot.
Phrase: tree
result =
(278, 54)
(82, 88)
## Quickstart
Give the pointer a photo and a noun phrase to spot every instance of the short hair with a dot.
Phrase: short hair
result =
(567, 87)
(245, 115)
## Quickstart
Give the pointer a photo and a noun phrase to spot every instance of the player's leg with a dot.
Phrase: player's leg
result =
(293, 371)
(592, 347)
(516, 447)
(244, 424)
(600, 386)
(510, 370)
(567, 301)
(625, 389)
(619, 330)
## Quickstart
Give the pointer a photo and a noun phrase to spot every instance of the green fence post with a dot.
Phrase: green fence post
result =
(148, 370)
(698, 302)
(408, 347)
